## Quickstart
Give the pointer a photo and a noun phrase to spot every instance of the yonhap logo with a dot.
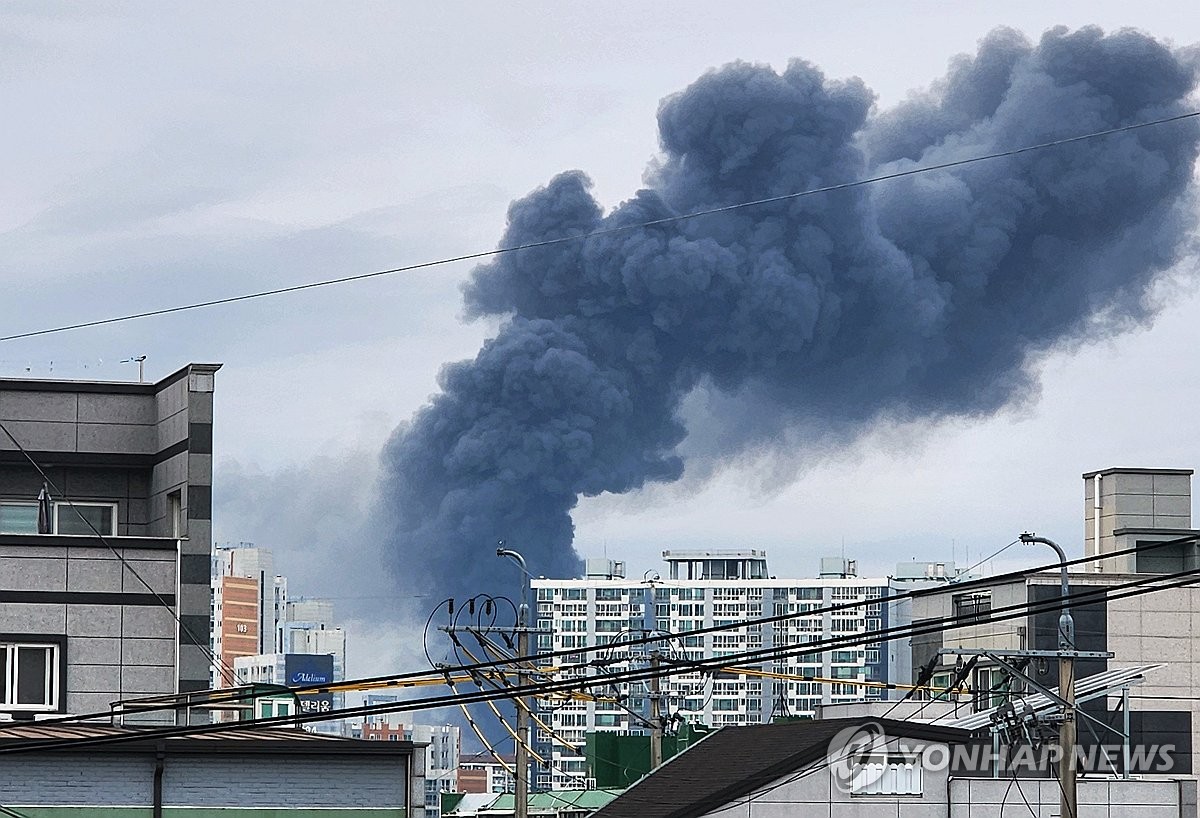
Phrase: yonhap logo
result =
(851, 750)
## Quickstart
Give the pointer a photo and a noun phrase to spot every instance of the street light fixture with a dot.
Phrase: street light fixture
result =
(1068, 806)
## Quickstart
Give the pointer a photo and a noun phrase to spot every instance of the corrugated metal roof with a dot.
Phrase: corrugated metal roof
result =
(1108, 681)
(555, 801)
(62, 737)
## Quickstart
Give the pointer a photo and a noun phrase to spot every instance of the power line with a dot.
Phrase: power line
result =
(400, 680)
(482, 254)
(213, 660)
(992, 556)
(1111, 593)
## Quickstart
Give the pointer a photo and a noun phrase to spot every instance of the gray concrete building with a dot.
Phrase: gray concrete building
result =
(87, 619)
(1138, 506)
(909, 770)
(1130, 508)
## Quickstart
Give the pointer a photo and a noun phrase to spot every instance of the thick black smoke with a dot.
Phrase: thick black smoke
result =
(918, 297)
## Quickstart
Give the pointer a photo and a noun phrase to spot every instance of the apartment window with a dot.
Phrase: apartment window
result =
(972, 607)
(101, 516)
(992, 687)
(18, 518)
(30, 679)
(939, 685)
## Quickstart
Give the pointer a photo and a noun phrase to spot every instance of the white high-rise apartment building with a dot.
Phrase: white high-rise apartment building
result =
(703, 589)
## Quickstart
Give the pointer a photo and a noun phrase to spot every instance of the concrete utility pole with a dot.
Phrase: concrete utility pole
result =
(521, 796)
(656, 722)
(1068, 765)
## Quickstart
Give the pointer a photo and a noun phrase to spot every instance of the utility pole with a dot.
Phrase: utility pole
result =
(1068, 764)
(654, 689)
(656, 721)
(521, 796)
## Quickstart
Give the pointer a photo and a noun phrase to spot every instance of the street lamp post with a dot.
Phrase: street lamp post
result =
(1068, 806)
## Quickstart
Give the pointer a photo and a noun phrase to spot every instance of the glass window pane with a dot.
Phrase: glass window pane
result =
(4, 671)
(33, 664)
(18, 518)
(101, 517)
(268, 710)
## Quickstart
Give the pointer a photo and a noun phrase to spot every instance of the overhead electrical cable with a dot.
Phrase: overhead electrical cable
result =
(224, 670)
(483, 254)
(1110, 593)
(422, 677)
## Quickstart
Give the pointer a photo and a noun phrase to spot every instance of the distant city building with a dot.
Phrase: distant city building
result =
(443, 746)
(308, 627)
(294, 670)
(243, 575)
(703, 589)
(306, 651)
(260, 635)
(486, 773)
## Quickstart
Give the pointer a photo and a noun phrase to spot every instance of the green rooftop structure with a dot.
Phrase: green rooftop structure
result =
(560, 803)
(617, 761)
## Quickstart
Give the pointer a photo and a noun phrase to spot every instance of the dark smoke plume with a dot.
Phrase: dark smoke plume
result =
(915, 298)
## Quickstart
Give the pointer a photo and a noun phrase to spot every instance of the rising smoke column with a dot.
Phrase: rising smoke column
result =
(921, 297)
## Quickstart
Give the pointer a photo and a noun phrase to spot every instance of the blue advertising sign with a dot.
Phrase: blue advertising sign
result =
(305, 669)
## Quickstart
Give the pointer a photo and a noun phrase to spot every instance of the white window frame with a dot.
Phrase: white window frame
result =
(64, 505)
(889, 775)
(53, 682)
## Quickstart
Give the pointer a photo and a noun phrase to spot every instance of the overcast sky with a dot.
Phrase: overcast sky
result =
(157, 154)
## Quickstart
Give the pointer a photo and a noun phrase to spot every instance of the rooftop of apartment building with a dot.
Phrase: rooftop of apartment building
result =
(743, 569)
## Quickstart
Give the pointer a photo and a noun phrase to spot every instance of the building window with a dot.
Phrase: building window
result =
(887, 775)
(30, 676)
(18, 518)
(972, 607)
(992, 687)
(101, 516)
(175, 513)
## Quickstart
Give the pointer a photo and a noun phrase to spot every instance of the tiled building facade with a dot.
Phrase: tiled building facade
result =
(96, 618)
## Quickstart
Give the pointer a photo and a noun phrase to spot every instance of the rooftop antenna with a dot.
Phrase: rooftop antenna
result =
(140, 360)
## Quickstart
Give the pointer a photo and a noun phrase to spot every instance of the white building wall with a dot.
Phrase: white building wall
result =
(811, 791)
(1160, 798)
